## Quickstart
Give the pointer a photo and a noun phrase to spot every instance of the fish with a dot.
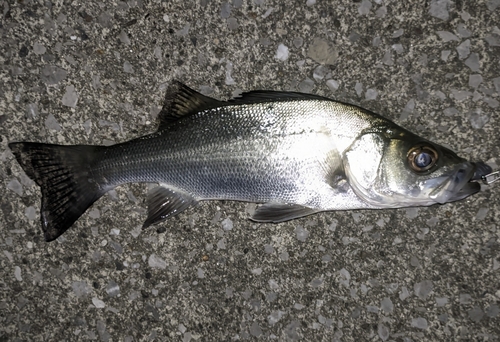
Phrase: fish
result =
(295, 154)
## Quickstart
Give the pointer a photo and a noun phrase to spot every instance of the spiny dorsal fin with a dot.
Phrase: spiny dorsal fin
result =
(256, 96)
(181, 101)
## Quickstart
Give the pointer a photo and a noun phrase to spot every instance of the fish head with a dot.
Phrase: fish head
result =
(401, 169)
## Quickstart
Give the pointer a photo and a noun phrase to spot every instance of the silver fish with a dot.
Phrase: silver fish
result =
(298, 154)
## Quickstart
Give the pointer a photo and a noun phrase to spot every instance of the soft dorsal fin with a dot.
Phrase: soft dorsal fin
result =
(256, 96)
(181, 101)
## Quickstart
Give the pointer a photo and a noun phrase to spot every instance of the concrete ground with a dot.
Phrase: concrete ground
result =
(95, 73)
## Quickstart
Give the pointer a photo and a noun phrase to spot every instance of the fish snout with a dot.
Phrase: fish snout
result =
(480, 170)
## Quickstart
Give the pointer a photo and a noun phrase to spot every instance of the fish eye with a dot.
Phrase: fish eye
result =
(422, 158)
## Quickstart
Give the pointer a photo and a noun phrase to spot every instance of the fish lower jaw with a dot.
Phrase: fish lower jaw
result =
(395, 200)
(469, 188)
(403, 203)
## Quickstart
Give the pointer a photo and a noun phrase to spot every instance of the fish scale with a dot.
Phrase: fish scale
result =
(188, 157)
(298, 154)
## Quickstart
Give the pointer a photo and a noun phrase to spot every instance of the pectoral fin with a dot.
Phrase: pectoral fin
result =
(280, 212)
(164, 203)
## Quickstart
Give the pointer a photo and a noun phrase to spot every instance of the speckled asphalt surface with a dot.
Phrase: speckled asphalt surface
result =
(93, 73)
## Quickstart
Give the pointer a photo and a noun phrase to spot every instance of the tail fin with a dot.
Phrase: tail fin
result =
(65, 177)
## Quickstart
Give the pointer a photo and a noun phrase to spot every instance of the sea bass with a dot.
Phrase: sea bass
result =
(298, 154)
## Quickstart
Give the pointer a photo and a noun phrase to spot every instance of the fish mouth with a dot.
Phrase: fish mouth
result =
(459, 184)
(481, 170)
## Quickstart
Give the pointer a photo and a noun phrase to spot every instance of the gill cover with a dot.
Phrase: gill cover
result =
(361, 163)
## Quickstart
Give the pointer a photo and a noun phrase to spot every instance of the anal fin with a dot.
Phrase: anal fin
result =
(164, 202)
(280, 212)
